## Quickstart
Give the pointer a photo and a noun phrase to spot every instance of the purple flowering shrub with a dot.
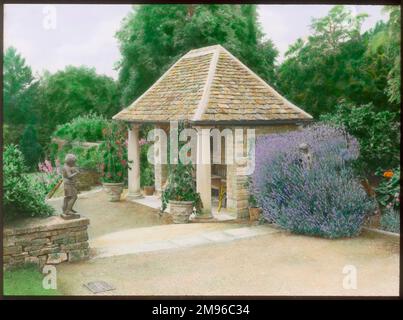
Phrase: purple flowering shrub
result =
(317, 197)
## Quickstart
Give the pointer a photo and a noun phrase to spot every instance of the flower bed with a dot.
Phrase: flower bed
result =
(304, 182)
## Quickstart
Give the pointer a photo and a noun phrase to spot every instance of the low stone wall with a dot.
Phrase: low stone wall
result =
(45, 241)
(87, 179)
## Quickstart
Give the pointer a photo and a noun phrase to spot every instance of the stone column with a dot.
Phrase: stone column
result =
(237, 191)
(203, 169)
(160, 169)
(133, 153)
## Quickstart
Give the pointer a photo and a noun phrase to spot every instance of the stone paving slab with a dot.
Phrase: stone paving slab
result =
(241, 233)
(218, 236)
(203, 238)
(191, 241)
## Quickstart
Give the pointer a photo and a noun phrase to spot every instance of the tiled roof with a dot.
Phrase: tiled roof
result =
(211, 85)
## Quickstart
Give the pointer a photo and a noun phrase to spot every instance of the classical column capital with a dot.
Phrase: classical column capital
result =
(135, 126)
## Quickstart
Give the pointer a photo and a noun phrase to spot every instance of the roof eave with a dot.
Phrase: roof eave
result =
(253, 122)
(226, 122)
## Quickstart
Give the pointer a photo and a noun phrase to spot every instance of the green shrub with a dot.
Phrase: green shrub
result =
(83, 128)
(87, 157)
(388, 191)
(181, 186)
(147, 177)
(146, 169)
(390, 220)
(23, 196)
(378, 134)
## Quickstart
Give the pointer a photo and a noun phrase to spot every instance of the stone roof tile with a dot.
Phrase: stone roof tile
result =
(207, 85)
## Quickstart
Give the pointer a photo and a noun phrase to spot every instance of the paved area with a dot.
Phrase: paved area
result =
(155, 203)
(171, 237)
(106, 217)
(276, 263)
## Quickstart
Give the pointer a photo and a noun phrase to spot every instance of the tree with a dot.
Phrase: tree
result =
(378, 134)
(333, 65)
(153, 37)
(386, 44)
(30, 148)
(19, 89)
(72, 92)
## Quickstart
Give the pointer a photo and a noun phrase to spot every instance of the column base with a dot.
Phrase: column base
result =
(204, 215)
(134, 195)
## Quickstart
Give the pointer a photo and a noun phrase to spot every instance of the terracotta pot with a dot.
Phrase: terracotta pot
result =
(180, 211)
(149, 190)
(114, 190)
(254, 214)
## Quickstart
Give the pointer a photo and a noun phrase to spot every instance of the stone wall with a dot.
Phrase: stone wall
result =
(45, 241)
(237, 183)
(87, 179)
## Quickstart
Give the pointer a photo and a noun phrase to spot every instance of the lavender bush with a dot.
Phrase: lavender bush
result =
(320, 196)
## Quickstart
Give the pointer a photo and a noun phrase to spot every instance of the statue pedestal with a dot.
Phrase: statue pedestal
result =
(70, 216)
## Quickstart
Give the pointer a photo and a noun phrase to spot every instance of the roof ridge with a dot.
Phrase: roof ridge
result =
(201, 107)
(266, 84)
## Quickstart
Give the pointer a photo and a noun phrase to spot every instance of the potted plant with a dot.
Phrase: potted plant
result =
(147, 181)
(114, 164)
(181, 193)
(254, 210)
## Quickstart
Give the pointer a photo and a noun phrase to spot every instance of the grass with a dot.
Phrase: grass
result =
(25, 281)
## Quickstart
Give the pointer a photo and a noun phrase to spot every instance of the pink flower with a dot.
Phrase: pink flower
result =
(142, 142)
(48, 166)
(45, 167)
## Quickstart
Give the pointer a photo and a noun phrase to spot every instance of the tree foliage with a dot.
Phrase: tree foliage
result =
(335, 64)
(386, 43)
(377, 132)
(73, 92)
(30, 147)
(153, 37)
(19, 89)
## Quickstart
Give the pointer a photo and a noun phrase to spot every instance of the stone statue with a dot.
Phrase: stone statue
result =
(306, 155)
(69, 173)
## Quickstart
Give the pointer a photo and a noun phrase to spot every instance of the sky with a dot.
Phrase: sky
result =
(51, 37)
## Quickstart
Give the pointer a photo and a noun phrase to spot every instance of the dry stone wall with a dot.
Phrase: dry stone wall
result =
(45, 241)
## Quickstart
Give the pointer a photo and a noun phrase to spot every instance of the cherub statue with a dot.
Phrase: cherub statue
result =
(69, 173)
